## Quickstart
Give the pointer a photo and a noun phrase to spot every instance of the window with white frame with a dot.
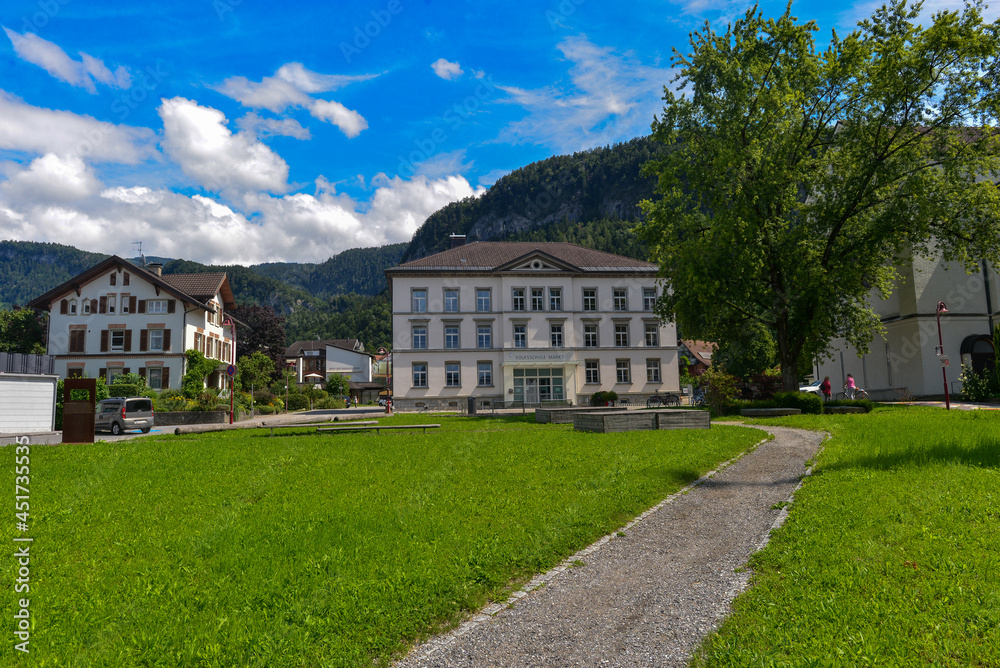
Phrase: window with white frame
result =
(125, 299)
(485, 374)
(86, 307)
(620, 299)
(621, 335)
(154, 377)
(518, 304)
(155, 339)
(648, 299)
(555, 299)
(451, 340)
(418, 300)
(156, 306)
(653, 370)
(112, 302)
(483, 301)
(592, 371)
(623, 370)
(452, 374)
(117, 339)
(556, 336)
(451, 300)
(590, 335)
(520, 336)
(72, 307)
(484, 336)
(537, 299)
(419, 337)
(590, 299)
(652, 335)
(419, 374)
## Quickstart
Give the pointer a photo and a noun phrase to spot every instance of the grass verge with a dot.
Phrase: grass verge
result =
(891, 553)
(236, 548)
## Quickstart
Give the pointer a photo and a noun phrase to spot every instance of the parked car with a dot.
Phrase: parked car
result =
(118, 414)
(812, 388)
(381, 402)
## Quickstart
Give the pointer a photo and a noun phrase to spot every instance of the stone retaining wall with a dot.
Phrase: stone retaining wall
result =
(565, 415)
(607, 422)
(170, 418)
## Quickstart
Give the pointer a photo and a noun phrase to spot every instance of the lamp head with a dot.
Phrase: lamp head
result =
(941, 308)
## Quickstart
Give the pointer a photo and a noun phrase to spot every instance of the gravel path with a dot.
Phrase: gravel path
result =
(648, 598)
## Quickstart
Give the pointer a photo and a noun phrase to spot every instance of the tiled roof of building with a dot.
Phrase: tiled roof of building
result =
(490, 255)
(299, 347)
(702, 350)
(203, 286)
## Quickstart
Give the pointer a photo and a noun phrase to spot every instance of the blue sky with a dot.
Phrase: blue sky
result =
(239, 131)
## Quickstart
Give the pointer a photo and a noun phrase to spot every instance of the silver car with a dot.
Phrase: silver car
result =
(118, 414)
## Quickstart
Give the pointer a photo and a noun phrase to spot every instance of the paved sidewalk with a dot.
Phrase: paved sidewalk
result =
(646, 599)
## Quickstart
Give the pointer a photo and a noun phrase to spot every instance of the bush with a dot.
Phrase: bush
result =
(867, 404)
(298, 402)
(720, 389)
(170, 400)
(807, 402)
(125, 390)
(603, 398)
(206, 401)
(266, 409)
(328, 403)
(976, 386)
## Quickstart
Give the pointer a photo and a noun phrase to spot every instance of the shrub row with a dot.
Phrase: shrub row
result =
(804, 401)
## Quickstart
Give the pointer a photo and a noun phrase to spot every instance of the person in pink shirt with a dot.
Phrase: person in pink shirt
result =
(850, 386)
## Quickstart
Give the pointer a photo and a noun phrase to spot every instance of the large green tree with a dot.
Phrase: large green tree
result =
(796, 178)
(21, 331)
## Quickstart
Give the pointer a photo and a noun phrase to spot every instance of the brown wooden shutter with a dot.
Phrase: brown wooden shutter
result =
(142, 372)
(166, 340)
(93, 306)
(104, 341)
(128, 340)
(103, 308)
(131, 303)
(142, 306)
(113, 278)
(64, 307)
(125, 279)
(102, 373)
(143, 339)
(165, 378)
(126, 370)
(171, 305)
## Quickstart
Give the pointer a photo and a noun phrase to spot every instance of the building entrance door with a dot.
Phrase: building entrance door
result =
(531, 390)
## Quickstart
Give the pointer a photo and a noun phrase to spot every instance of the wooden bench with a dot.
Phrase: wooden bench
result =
(300, 425)
(377, 427)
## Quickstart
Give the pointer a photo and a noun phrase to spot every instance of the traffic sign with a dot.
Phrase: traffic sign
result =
(231, 370)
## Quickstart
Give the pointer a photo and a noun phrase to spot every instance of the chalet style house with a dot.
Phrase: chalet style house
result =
(315, 361)
(118, 318)
(527, 322)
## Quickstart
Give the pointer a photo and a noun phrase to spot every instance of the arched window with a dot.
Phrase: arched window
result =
(977, 351)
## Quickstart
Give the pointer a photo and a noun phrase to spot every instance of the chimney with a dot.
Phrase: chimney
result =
(457, 240)
(156, 268)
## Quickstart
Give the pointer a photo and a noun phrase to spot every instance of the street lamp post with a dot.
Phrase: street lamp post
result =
(941, 308)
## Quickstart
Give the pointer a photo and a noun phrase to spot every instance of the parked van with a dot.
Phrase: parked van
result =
(118, 414)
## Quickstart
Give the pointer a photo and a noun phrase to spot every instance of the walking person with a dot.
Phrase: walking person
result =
(826, 388)
(850, 387)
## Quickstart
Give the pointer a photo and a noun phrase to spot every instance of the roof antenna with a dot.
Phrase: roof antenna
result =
(142, 258)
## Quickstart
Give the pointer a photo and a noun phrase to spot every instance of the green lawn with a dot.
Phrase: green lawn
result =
(236, 549)
(891, 554)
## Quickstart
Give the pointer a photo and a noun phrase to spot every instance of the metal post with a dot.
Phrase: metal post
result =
(941, 308)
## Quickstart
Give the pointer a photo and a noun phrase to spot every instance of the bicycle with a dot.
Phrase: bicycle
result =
(859, 394)
(669, 399)
(698, 400)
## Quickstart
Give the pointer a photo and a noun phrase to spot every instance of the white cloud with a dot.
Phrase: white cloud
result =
(261, 127)
(52, 178)
(51, 58)
(446, 70)
(38, 130)
(613, 98)
(350, 122)
(443, 164)
(197, 138)
(292, 87)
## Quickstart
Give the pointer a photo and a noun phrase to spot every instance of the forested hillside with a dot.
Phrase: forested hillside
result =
(358, 270)
(603, 184)
(29, 269)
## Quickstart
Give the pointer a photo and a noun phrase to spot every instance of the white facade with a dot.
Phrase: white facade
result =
(537, 328)
(905, 360)
(117, 318)
(356, 365)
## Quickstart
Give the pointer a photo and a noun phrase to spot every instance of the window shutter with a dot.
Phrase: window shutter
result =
(126, 370)
(142, 306)
(64, 307)
(142, 372)
(102, 373)
(143, 340)
(93, 306)
(165, 378)
(171, 305)
(128, 340)
(166, 343)
(104, 305)
(125, 278)
(131, 301)
(113, 278)
(104, 341)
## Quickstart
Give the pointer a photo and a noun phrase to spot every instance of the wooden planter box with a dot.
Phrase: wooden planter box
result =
(565, 415)
(607, 422)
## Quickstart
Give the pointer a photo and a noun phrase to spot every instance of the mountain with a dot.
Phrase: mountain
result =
(563, 198)
(28, 269)
(358, 270)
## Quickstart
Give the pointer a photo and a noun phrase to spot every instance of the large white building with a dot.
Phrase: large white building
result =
(905, 360)
(118, 318)
(527, 322)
